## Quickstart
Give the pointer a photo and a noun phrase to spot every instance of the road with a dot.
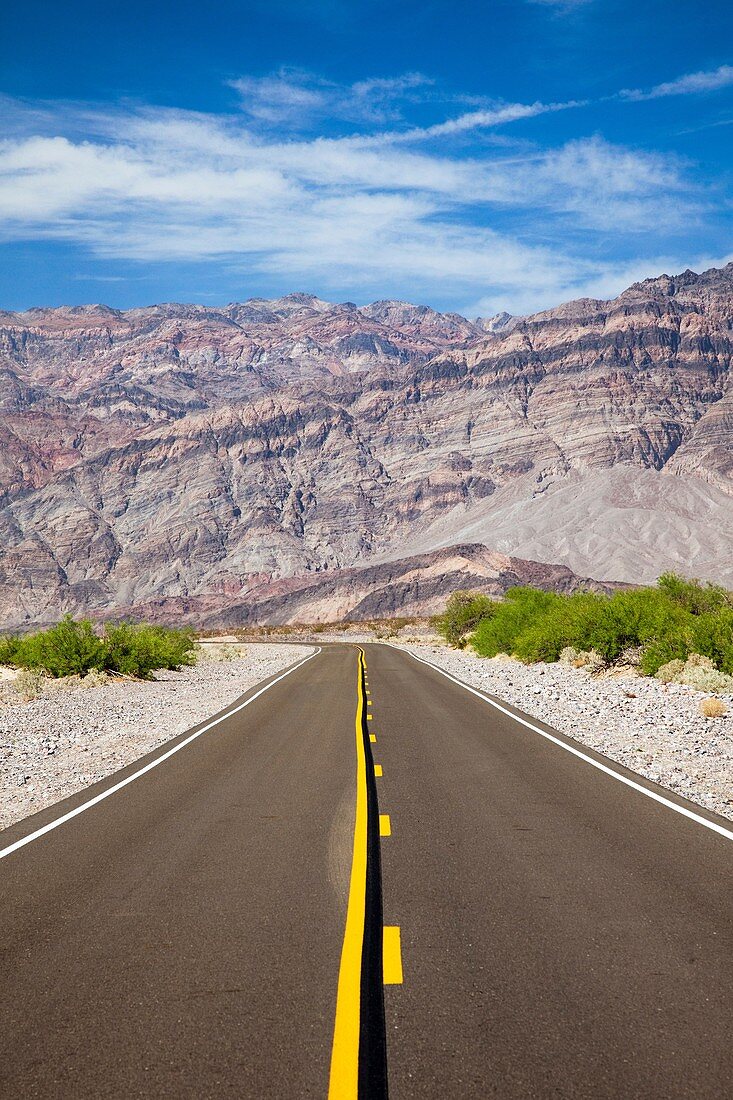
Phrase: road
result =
(214, 927)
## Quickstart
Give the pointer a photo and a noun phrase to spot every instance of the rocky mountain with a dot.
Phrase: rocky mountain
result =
(417, 585)
(188, 457)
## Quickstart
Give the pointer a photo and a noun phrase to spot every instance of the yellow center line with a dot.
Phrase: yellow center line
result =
(344, 1076)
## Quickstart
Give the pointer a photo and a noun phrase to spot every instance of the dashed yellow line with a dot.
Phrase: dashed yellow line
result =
(392, 956)
(378, 770)
(385, 825)
(373, 738)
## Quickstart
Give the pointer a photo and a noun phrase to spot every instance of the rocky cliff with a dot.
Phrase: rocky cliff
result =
(180, 456)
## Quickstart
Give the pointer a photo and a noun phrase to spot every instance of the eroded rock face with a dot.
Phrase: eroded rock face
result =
(180, 453)
(415, 585)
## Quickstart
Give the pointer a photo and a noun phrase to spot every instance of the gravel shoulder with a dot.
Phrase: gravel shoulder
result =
(652, 728)
(68, 739)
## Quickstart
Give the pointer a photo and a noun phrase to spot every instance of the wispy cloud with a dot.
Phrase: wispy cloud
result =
(297, 101)
(360, 216)
(691, 84)
(497, 115)
(297, 98)
(562, 6)
(334, 186)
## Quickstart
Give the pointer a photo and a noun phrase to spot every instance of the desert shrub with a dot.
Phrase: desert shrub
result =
(74, 649)
(697, 672)
(94, 679)
(510, 618)
(566, 621)
(702, 674)
(138, 649)
(642, 617)
(214, 653)
(669, 673)
(713, 708)
(693, 596)
(226, 651)
(713, 637)
(649, 628)
(590, 661)
(8, 648)
(66, 649)
(29, 684)
(463, 612)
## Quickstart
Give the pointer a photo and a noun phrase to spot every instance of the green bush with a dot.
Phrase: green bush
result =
(522, 609)
(66, 649)
(714, 638)
(646, 618)
(8, 648)
(693, 596)
(567, 623)
(73, 648)
(649, 627)
(137, 650)
(463, 612)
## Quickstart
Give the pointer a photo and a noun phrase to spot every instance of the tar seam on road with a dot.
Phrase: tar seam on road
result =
(148, 767)
(359, 1051)
(712, 825)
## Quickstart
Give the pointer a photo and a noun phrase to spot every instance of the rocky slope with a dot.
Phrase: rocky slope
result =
(417, 585)
(184, 454)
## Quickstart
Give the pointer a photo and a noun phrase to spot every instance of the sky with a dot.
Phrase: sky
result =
(470, 155)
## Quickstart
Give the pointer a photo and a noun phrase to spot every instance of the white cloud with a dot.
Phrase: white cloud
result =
(691, 84)
(357, 214)
(498, 115)
(294, 98)
(612, 187)
(298, 100)
(602, 282)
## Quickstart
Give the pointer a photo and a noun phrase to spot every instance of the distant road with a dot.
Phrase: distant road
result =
(214, 926)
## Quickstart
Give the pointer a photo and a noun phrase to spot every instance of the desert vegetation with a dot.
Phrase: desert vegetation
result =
(77, 649)
(678, 630)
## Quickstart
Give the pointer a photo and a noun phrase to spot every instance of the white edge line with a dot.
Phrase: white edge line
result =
(727, 833)
(148, 767)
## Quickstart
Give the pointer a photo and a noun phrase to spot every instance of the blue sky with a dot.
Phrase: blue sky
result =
(475, 156)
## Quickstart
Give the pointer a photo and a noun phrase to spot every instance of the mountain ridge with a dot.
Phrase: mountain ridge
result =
(179, 451)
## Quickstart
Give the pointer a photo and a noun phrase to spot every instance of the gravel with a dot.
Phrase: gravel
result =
(652, 728)
(67, 739)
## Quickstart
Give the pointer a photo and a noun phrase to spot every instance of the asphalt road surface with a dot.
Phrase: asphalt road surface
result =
(367, 879)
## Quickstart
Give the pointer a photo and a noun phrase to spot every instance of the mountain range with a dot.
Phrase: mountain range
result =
(293, 459)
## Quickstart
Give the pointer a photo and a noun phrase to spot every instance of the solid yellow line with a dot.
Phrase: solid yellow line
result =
(344, 1076)
(373, 738)
(377, 769)
(391, 956)
(385, 825)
